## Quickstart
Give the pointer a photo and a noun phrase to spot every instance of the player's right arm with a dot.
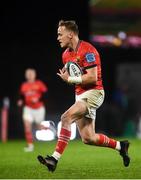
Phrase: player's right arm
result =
(63, 74)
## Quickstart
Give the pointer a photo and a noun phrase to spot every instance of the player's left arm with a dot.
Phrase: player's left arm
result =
(90, 63)
(90, 77)
(20, 98)
(43, 91)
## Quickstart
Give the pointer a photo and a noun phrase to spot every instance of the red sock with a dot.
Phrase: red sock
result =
(28, 136)
(63, 140)
(106, 141)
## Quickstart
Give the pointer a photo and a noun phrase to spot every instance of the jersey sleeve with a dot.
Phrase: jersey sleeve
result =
(43, 87)
(91, 58)
(20, 93)
(22, 89)
(63, 58)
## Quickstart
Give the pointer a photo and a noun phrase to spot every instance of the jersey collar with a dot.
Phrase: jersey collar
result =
(76, 49)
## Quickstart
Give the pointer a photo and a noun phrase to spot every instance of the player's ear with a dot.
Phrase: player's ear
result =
(70, 35)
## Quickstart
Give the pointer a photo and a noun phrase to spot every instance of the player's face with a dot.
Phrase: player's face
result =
(64, 36)
(30, 75)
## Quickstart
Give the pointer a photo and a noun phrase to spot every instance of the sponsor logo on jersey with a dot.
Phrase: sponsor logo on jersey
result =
(90, 57)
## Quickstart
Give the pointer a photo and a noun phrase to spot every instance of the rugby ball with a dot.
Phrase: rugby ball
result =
(73, 69)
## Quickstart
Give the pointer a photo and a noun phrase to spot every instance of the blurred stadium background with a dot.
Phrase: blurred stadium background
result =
(28, 39)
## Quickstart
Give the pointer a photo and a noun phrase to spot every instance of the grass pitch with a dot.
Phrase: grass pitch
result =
(78, 162)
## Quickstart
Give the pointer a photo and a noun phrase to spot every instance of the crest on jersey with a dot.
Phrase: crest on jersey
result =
(78, 59)
(90, 57)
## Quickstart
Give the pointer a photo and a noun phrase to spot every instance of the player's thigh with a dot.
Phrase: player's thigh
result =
(76, 111)
(93, 99)
(39, 115)
(27, 115)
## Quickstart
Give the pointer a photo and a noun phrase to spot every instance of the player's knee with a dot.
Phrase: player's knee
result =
(86, 140)
(65, 119)
(90, 140)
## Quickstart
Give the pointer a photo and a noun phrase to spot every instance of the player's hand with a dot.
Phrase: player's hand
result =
(63, 74)
(20, 103)
(64, 69)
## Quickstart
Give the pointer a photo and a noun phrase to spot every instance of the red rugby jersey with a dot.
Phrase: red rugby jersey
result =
(32, 92)
(86, 56)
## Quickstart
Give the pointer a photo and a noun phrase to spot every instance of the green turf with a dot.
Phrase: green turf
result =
(78, 162)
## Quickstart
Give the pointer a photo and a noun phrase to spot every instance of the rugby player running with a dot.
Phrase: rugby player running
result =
(89, 96)
(32, 92)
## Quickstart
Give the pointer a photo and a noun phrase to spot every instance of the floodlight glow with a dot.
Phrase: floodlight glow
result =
(48, 134)
(45, 135)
